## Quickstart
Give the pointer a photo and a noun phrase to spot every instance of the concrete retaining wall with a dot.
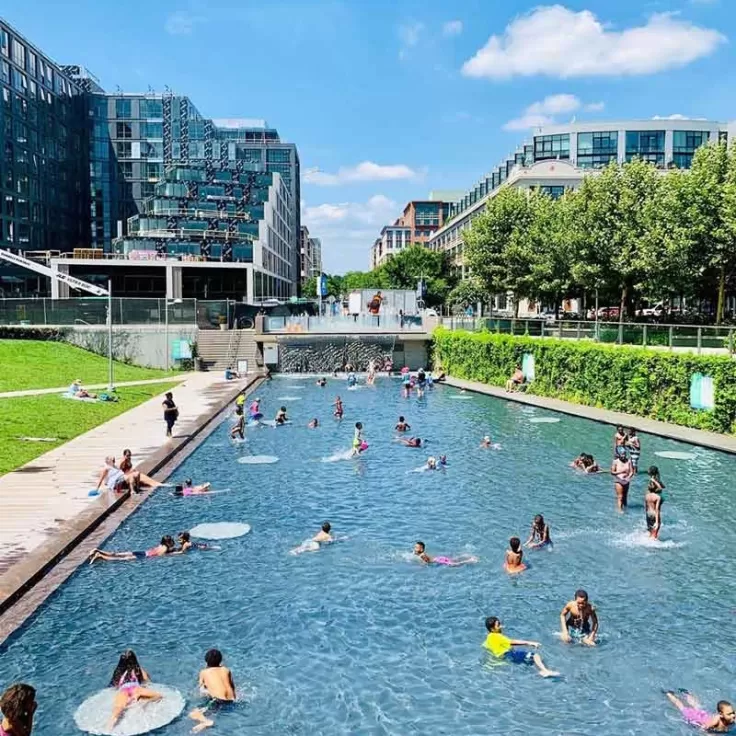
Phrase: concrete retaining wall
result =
(140, 345)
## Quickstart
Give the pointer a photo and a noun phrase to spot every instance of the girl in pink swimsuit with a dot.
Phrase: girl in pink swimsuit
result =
(420, 552)
(129, 679)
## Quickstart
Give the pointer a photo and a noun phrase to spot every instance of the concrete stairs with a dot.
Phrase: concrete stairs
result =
(219, 349)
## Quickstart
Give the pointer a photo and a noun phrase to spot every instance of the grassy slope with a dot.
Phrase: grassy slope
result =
(52, 416)
(29, 364)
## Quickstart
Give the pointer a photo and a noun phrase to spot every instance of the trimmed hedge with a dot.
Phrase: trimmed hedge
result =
(648, 383)
(14, 332)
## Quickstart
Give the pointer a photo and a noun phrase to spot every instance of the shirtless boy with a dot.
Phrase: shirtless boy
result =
(216, 683)
(580, 618)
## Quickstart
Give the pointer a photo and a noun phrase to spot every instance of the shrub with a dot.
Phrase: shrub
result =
(647, 383)
(15, 332)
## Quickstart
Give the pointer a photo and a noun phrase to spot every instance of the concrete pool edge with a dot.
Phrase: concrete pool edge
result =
(30, 582)
(699, 437)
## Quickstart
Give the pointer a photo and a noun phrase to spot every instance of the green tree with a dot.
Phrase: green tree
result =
(417, 262)
(711, 215)
(497, 243)
(467, 293)
(309, 289)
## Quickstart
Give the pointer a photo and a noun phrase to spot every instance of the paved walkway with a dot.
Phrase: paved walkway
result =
(42, 499)
(95, 386)
(712, 440)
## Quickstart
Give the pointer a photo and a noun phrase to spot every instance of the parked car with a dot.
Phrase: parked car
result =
(606, 313)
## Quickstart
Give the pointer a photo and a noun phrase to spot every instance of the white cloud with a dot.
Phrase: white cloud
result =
(544, 112)
(557, 42)
(410, 35)
(676, 116)
(348, 229)
(452, 28)
(365, 171)
(182, 23)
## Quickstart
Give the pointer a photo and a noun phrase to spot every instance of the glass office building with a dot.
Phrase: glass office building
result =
(43, 164)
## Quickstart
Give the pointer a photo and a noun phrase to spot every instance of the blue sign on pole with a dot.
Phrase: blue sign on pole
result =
(322, 285)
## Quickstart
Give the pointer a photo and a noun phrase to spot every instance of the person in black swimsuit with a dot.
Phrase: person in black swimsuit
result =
(171, 413)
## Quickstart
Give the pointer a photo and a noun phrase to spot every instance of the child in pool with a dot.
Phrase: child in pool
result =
(653, 502)
(191, 490)
(339, 409)
(281, 417)
(323, 536)
(17, 705)
(579, 617)
(186, 544)
(420, 551)
(166, 547)
(539, 535)
(409, 441)
(486, 441)
(402, 425)
(694, 715)
(513, 563)
(502, 647)
(359, 444)
(443, 461)
(129, 680)
(216, 684)
(238, 429)
(314, 423)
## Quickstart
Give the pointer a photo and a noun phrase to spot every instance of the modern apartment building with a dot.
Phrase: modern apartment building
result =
(560, 156)
(43, 119)
(311, 255)
(89, 160)
(418, 221)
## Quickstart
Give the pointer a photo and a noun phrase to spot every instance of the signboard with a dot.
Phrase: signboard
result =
(271, 354)
(242, 367)
(322, 285)
(181, 350)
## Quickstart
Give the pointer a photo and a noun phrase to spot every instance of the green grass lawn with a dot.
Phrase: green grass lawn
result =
(51, 416)
(29, 364)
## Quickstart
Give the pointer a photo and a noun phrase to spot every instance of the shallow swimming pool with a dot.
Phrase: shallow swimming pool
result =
(357, 638)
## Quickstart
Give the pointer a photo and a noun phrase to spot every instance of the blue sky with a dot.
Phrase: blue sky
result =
(388, 99)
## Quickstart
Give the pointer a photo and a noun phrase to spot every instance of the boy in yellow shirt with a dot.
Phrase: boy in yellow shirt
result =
(502, 647)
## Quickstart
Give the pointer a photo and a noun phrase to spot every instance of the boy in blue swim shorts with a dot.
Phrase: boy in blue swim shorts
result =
(501, 647)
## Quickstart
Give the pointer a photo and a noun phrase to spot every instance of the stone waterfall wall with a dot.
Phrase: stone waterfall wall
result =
(323, 354)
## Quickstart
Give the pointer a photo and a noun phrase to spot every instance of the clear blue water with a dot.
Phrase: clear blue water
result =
(357, 639)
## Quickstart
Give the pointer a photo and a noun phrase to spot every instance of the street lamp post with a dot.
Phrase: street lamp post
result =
(166, 327)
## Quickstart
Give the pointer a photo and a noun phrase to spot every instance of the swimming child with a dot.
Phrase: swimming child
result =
(339, 408)
(240, 399)
(17, 706)
(166, 547)
(502, 647)
(653, 502)
(431, 463)
(359, 444)
(443, 461)
(313, 423)
(486, 441)
(402, 425)
(622, 471)
(420, 551)
(321, 382)
(188, 489)
(323, 536)
(281, 417)
(129, 679)
(514, 560)
(238, 429)
(539, 535)
(694, 715)
(216, 684)
(633, 445)
(586, 463)
(619, 439)
(186, 544)
(579, 618)
(410, 441)
(352, 380)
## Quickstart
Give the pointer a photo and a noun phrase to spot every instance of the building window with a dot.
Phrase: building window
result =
(123, 130)
(152, 150)
(152, 130)
(126, 169)
(123, 150)
(6, 72)
(32, 63)
(596, 150)
(647, 145)
(146, 190)
(151, 109)
(554, 192)
(123, 109)
(19, 54)
(153, 171)
(549, 147)
(4, 42)
(685, 143)
(278, 155)
(251, 155)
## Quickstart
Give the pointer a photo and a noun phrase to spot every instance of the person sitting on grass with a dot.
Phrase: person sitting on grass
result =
(17, 705)
(501, 647)
(116, 480)
(516, 380)
(78, 392)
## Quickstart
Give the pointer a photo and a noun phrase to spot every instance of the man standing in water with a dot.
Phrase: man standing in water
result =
(653, 502)
(622, 471)
(579, 618)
